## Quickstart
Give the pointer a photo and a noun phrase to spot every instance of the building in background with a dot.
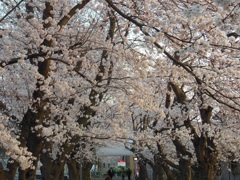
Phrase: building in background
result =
(113, 157)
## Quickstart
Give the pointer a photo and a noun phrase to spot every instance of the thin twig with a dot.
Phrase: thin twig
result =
(9, 12)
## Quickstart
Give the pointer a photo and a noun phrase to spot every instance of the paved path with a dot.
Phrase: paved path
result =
(114, 178)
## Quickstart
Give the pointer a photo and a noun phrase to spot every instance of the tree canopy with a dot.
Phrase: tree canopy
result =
(80, 74)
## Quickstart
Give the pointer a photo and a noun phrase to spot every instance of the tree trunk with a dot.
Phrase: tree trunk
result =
(210, 170)
(170, 175)
(207, 171)
(163, 163)
(34, 145)
(52, 169)
(185, 169)
(62, 174)
(158, 173)
(12, 169)
(28, 174)
(143, 170)
(2, 173)
(206, 150)
(86, 167)
(73, 170)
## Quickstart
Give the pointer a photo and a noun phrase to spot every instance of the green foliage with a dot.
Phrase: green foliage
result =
(118, 170)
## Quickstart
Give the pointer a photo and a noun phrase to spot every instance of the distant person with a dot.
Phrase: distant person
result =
(129, 173)
(108, 178)
(123, 174)
(110, 173)
(136, 176)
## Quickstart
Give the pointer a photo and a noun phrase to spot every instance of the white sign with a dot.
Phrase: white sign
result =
(121, 162)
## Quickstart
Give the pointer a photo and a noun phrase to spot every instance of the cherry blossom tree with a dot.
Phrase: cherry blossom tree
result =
(196, 92)
(67, 70)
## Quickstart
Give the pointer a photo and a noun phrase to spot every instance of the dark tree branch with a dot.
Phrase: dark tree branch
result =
(9, 12)
(71, 13)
